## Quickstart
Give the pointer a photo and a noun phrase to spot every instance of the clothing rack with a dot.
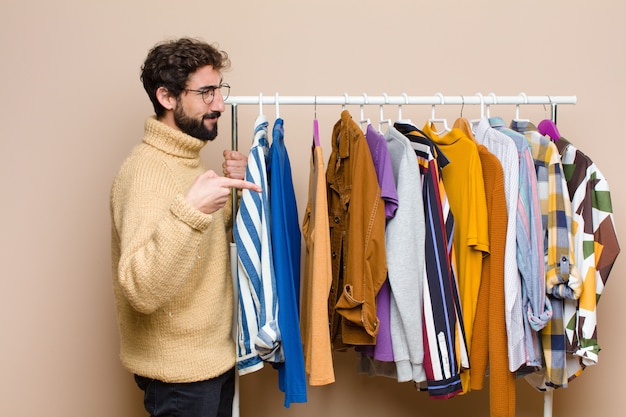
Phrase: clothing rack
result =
(363, 100)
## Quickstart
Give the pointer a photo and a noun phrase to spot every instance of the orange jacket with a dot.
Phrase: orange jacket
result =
(357, 235)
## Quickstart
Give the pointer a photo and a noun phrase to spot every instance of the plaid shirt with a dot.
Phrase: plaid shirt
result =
(563, 280)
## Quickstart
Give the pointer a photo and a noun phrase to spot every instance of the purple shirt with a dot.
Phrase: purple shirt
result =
(382, 164)
(383, 351)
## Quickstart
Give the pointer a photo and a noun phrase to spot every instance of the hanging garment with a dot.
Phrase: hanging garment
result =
(595, 250)
(563, 279)
(445, 352)
(489, 344)
(530, 261)
(285, 237)
(504, 149)
(357, 233)
(377, 145)
(405, 243)
(384, 171)
(317, 276)
(463, 181)
(258, 336)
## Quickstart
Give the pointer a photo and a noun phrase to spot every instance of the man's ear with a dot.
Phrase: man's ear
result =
(165, 98)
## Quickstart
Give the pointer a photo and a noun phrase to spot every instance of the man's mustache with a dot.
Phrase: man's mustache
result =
(212, 115)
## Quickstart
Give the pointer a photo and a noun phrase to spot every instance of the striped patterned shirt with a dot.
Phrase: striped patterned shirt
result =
(445, 351)
(505, 150)
(537, 309)
(258, 338)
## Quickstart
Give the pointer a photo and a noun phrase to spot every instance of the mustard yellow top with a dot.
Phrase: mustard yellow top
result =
(463, 180)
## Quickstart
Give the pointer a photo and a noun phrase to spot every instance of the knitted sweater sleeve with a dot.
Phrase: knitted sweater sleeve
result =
(156, 234)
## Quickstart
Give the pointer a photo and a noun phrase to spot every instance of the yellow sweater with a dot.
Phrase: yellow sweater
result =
(171, 268)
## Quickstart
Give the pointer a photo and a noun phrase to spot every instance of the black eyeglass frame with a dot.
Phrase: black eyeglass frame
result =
(208, 93)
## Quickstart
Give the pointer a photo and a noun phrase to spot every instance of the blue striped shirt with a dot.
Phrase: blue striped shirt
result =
(258, 336)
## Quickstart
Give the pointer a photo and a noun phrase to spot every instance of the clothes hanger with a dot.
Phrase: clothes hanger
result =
(365, 121)
(260, 104)
(434, 120)
(345, 102)
(475, 122)
(547, 127)
(517, 118)
(462, 123)
(277, 107)
(316, 128)
(495, 101)
(400, 119)
(382, 120)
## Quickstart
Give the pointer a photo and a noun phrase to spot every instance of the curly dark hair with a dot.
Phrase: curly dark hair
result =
(170, 63)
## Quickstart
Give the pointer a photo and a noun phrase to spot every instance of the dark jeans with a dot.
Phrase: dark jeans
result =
(210, 398)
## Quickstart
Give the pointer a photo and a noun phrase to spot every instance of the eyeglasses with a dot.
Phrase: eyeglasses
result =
(208, 93)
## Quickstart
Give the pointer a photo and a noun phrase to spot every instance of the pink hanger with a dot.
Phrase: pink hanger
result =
(316, 133)
(316, 129)
(548, 128)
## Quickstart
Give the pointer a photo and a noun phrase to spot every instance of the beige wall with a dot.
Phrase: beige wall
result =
(72, 107)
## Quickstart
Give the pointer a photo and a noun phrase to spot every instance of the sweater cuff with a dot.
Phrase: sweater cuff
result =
(190, 215)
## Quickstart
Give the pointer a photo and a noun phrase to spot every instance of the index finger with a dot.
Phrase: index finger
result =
(242, 184)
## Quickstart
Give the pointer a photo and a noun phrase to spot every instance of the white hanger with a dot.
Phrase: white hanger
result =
(406, 101)
(382, 120)
(495, 101)
(434, 120)
(260, 104)
(277, 107)
(346, 101)
(517, 118)
(474, 122)
(365, 121)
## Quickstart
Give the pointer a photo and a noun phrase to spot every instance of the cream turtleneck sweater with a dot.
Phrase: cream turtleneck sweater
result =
(171, 268)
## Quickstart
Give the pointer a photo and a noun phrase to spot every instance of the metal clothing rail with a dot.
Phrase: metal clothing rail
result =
(384, 99)
(403, 99)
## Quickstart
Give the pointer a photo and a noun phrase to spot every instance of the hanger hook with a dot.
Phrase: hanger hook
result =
(432, 109)
(260, 104)
(277, 107)
(365, 101)
(346, 101)
(406, 101)
(462, 104)
(523, 95)
(482, 105)
(545, 111)
(381, 106)
(553, 110)
(315, 106)
(494, 100)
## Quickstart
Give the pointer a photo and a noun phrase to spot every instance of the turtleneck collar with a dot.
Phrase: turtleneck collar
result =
(171, 141)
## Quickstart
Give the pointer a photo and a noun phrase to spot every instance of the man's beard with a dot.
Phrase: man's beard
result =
(196, 128)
